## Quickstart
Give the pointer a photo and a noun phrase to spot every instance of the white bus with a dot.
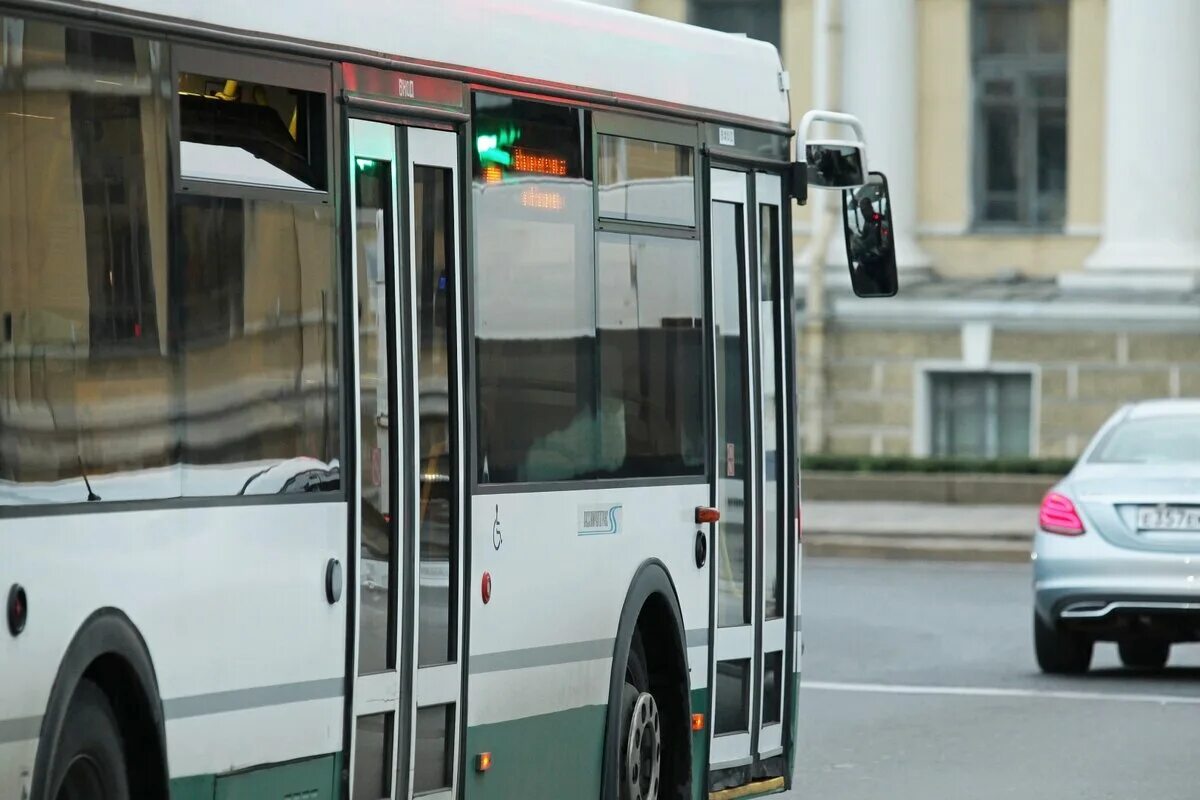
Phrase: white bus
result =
(396, 400)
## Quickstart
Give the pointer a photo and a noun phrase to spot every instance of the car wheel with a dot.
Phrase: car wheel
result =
(1144, 653)
(1060, 651)
(89, 762)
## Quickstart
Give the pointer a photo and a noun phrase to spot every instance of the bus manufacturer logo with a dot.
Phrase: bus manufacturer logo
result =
(596, 520)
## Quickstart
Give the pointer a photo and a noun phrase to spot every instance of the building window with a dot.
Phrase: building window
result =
(758, 19)
(1020, 72)
(980, 414)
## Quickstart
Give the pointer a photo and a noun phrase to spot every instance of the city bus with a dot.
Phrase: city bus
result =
(396, 400)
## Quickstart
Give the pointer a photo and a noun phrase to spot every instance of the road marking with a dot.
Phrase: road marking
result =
(984, 691)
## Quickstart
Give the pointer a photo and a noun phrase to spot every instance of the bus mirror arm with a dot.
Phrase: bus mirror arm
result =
(797, 182)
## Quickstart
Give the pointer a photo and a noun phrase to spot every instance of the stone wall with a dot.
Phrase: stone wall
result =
(875, 399)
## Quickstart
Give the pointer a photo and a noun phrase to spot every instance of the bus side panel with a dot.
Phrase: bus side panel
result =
(248, 653)
(541, 649)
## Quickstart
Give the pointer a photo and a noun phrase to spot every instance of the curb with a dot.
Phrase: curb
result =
(897, 547)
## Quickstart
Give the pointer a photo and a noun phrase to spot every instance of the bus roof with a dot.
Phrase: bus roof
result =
(564, 42)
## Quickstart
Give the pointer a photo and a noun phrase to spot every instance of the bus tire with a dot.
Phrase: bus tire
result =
(89, 760)
(640, 757)
(650, 642)
(109, 655)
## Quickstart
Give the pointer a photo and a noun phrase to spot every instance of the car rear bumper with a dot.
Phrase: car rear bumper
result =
(1085, 582)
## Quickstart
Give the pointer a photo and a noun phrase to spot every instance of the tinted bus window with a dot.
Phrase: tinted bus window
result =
(256, 345)
(140, 361)
(646, 181)
(85, 369)
(535, 308)
(589, 346)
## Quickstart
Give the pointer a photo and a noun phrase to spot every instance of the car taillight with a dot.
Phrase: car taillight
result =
(1058, 515)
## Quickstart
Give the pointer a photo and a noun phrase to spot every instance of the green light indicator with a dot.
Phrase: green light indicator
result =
(486, 142)
(491, 146)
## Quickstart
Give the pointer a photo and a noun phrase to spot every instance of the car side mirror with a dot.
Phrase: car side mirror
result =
(835, 164)
(870, 240)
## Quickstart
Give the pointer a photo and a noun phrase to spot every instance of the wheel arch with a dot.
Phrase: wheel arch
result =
(109, 650)
(651, 599)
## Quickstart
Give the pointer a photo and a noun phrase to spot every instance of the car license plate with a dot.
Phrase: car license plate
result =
(1169, 518)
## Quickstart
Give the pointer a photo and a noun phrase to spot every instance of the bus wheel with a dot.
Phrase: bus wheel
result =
(641, 730)
(89, 763)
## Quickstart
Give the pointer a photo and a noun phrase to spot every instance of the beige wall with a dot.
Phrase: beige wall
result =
(1081, 378)
(943, 114)
(796, 40)
(667, 9)
(991, 255)
(1085, 116)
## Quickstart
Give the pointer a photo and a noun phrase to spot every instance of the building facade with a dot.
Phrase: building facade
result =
(1046, 200)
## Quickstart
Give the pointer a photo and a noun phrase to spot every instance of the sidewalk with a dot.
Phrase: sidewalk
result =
(918, 530)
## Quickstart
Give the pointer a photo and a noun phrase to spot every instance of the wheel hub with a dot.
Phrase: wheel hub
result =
(643, 750)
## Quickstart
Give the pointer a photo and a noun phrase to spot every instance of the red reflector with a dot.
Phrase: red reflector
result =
(697, 722)
(707, 514)
(1058, 515)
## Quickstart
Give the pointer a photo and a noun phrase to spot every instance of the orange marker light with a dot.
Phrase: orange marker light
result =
(697, 722)
(483, 762)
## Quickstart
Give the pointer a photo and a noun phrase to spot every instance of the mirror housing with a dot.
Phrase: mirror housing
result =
(870, 239)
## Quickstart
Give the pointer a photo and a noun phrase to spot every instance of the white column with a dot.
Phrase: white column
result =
(1152, 141)
(879, 80)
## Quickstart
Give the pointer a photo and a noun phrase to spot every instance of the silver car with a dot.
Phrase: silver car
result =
(1117, 550)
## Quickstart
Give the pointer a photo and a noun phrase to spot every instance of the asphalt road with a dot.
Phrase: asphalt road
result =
(919, 683)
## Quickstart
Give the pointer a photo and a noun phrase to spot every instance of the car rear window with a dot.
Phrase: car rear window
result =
(1169, 439)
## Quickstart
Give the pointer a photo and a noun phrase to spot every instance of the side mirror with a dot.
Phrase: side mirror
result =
(870, 240)
(835, 164)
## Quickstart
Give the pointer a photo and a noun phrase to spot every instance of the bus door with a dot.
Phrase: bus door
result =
(404, 732)
(751, 642)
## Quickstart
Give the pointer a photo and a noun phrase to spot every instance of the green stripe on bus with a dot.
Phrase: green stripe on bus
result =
(193, 787)
(312, 778)
(557, 755)
(550, 755)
